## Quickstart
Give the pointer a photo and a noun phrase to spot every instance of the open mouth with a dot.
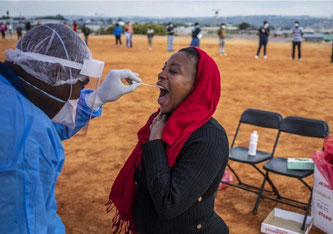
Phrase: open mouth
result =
(164, 94)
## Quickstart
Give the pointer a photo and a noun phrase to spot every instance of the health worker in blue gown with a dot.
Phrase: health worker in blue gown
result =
(43, 101)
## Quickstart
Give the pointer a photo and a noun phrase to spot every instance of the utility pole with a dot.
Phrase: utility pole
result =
(216, 13)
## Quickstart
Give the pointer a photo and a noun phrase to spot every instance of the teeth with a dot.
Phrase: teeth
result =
(161, 87)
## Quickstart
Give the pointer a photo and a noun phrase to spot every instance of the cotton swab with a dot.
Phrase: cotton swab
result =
(153, 86)
(129, 81)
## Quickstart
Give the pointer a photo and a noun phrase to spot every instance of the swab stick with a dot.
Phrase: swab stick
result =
(129, 81)
(153, 86)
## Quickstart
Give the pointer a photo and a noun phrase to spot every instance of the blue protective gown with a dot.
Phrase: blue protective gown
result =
(31, 159)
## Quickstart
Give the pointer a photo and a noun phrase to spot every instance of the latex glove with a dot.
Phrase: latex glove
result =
(112, 88)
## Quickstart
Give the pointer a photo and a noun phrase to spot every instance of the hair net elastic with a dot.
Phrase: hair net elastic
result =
(54, 40)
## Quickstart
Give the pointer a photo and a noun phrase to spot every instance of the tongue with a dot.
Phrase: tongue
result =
(163, 98)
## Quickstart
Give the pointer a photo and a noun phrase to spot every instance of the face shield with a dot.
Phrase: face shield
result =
(56, 55)
(90, 68)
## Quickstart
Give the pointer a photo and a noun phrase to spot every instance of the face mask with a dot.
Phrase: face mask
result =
(266, 25)
(296, 25)
(67, 113)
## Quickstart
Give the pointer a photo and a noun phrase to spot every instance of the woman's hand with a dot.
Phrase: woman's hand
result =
(157, 126)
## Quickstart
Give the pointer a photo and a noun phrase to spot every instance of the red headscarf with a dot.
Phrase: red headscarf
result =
(194, 112)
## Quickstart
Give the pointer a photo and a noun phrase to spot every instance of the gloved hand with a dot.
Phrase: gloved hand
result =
(112, 88)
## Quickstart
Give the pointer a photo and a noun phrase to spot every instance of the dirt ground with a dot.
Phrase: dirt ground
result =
(302, 88)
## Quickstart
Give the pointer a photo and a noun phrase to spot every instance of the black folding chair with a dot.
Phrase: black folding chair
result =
(263, 119)
(278, 165)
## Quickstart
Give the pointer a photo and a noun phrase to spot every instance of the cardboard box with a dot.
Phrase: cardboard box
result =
(322, 203)
(285, 222)
(300, 164)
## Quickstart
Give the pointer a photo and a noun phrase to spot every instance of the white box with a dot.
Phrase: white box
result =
(322, 203)
(285, 222)
(300, 164)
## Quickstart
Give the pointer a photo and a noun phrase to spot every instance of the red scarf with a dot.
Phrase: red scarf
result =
(194, 112)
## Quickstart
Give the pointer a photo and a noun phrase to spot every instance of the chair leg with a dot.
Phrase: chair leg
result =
(255, 209)
(306, 212)
(276, 192)
(233, 172)
(308, 186)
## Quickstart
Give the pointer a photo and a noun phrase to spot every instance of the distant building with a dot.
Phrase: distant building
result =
(328, 38)
(308, 31)
(314, 37)
(284, 33)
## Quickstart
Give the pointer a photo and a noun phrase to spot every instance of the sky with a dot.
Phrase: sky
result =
(171, 8)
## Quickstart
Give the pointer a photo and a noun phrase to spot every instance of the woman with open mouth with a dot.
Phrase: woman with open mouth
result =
(168, 183)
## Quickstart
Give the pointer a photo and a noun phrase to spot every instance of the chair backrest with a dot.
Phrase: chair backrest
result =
(261, 118)
(304, 127)
(265, 119)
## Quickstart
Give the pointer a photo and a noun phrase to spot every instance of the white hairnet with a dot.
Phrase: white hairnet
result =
(54, 40)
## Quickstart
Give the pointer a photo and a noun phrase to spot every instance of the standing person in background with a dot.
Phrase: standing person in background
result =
(117, 32)
(10, 30)
(170, 31)
(195, 35)
(263, 38)
(297, 40)
(332, 52)
(222, 33)
(74, 26)
(86, 31)
(130, 31)
(19, 31)
(129, 28)
(127, 38)
(28, 26)
(3, 29)
(150, 35)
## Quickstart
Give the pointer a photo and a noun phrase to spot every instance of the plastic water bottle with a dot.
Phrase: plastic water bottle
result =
(253, 144)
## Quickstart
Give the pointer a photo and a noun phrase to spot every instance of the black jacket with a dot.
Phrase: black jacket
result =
(263, 33)
(195, 32)
(170, 30)
(180, 200)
